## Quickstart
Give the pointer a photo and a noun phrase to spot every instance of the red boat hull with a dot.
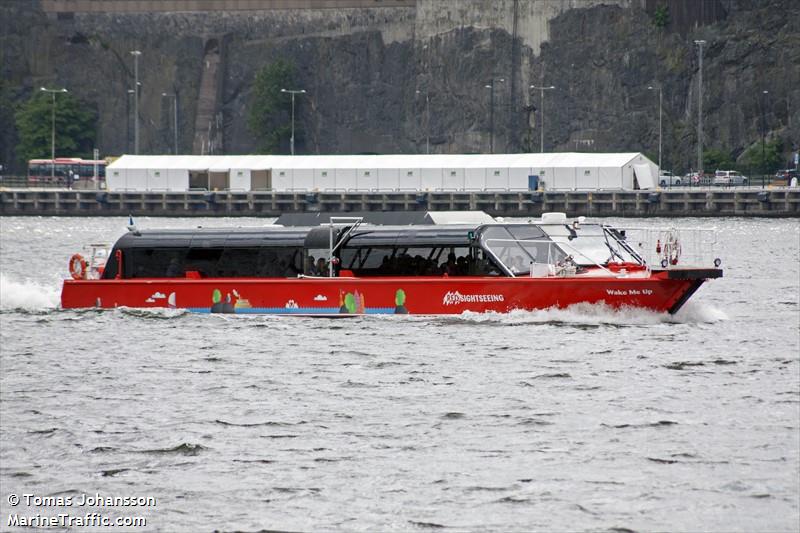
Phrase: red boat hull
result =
(661, 291)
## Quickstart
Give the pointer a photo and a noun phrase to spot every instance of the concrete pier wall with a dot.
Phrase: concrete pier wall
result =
(776, 202)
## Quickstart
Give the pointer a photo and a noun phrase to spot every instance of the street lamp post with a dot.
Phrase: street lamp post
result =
(660, 107)
(53, 92)
(490, 86)
(700, 45)
(128, 115)
(174, 97)
(763, 134)
(541, 112)
(136, 54)
(427, 122)
(293, 92)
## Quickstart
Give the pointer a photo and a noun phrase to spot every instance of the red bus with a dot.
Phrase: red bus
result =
(43, 171)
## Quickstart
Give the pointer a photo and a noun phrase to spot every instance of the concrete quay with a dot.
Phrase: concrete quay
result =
(688, 202)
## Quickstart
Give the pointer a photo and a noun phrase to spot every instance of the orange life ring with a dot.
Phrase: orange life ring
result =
(77, 267)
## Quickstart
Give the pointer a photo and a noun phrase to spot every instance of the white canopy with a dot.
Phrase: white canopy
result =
(261, 162)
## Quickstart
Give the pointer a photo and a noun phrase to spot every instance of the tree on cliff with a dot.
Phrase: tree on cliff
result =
(717, 159)
(764, 159)
(270, 110)
(75, 127)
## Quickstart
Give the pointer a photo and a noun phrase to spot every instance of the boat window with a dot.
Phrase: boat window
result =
(203, 260)
(315, 262)
(281, 262)
(536, 244)
(483, 264)
(350, 257)
(372, 261)
(155, 262)
(456, 261)
(519, 247)
(418, 261)
(239, 263)
(500, 242)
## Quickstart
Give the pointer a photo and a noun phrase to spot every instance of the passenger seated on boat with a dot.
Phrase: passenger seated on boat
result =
(174, 269)
(311, 269)
(431, 269)
(461, 266)
(322, 267)
(450, 267)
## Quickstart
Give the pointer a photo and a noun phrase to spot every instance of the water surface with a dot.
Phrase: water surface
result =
(582, 419)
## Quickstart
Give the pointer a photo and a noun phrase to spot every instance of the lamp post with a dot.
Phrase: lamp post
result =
(128, 115)
(53, 92)
(293, 92)
(427, 122)
(541, 109)
(174, 97)
(490, 86)
(660, 107)
(700, 45)
(763, 134)
(136, 54)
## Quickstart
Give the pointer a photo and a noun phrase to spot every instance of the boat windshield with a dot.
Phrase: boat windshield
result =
(520, 247)
(591, 244)
(533, 250)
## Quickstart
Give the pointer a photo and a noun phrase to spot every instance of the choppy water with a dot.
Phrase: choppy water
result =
(572, 420)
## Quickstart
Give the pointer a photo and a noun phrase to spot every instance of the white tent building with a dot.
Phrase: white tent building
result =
(436, 172)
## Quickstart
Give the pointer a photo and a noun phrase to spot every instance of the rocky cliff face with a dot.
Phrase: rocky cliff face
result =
(387, 79)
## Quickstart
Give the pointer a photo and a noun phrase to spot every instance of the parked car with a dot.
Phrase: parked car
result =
(667, 179)
(729, 177)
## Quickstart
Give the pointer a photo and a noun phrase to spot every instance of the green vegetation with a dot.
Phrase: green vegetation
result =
(75, 126)
(771, 160)
(661, 17)
(270, 111)
(676, 60)
(7, 133)
(717, 159)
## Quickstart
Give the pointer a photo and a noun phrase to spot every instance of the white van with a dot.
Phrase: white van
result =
(729, 177)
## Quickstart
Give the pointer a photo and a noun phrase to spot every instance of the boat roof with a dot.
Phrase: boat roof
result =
(269, 236)
(389, 218)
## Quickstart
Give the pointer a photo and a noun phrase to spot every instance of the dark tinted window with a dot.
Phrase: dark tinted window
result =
(154, 263)
(239, 263)
(203, 260)
(209, 262)
(416, 261)
(280, 262)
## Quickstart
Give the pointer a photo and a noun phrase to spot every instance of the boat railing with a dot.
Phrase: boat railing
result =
(673, 247)
(98, 256)
(338, 222)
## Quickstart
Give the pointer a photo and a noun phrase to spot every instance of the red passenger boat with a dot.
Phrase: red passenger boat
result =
(348, 267)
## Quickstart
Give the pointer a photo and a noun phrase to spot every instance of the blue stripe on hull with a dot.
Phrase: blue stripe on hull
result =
(295, 311)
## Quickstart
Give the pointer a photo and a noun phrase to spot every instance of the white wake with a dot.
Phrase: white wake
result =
(26, 294)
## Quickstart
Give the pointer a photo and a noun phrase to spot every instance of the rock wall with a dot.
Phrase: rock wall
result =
(385, 79)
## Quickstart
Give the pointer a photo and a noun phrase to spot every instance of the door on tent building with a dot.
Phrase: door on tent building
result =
(261, 180)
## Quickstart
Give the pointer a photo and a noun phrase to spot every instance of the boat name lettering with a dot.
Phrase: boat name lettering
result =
(455, 297)
(629, 292)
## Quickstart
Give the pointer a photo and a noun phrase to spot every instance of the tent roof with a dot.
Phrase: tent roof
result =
(415, 161)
